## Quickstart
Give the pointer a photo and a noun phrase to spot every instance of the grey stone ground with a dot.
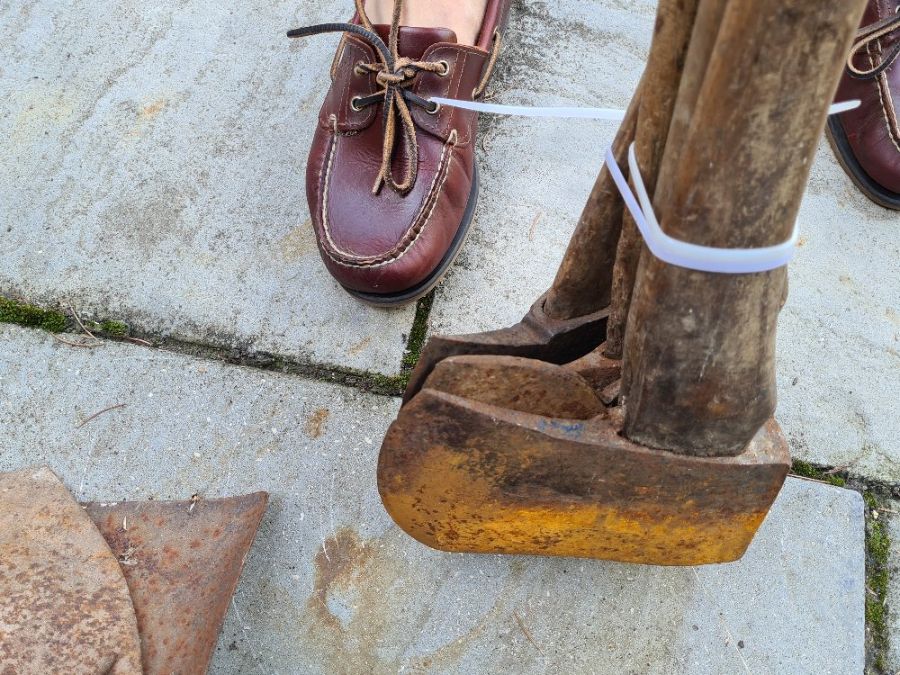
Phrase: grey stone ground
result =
(333, 586)
(155, 174)
(151, 170)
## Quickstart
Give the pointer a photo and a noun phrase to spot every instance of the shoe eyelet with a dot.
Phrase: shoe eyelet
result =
(446, 71)
(435, 110)
(353, 104)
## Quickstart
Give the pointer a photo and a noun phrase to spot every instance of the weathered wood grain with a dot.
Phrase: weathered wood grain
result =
(700, 350)
(584, 280)
(661, 81)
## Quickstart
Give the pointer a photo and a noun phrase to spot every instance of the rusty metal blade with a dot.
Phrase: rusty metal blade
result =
(182, 562)
(537, 336)
(515, 383)
(64, 603)
(464, 476)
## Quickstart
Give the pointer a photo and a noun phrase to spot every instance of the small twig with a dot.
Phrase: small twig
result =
(838, 469)
(78, 319)
(537, 219)
(527, 633)
(138, 341)
(98, 413)
(86, 345)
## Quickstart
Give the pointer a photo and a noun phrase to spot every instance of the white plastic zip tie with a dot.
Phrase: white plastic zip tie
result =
(608, 114)
(844, 106)
(682, 253)
(664, 247)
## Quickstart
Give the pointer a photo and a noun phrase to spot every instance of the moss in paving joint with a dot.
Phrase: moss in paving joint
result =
(877, 552)
(807, 470)
(878, 546)
(371, 383)
(31, 316)
(418, 333)
(109, 327)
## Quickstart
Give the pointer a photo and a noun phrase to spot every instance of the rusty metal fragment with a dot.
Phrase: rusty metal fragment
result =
(518, 384)
(182, 562)
(536, 336)
(64, 603)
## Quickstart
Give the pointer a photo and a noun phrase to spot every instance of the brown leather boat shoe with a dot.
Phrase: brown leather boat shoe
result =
(391, 178)
(867, 140)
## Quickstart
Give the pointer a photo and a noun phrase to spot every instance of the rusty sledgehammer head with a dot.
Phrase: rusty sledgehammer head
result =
(512, 455)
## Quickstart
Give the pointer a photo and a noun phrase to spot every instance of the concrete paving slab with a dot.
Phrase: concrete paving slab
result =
(152, 164)
(332, 586)
(839, 335)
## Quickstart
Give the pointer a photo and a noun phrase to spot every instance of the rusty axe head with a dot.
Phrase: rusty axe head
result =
(499, 454)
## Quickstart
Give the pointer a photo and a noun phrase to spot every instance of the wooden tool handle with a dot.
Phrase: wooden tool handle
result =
(699, 361)
(584, 282)
(584, 279)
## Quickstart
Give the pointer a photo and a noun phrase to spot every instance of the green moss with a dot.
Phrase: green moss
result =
(871, 500)
(115, 328)
(22, 314)
(878, 546)
(372, 383)
(801, 468)
(879, 543)
(418, 333)
(807, 470)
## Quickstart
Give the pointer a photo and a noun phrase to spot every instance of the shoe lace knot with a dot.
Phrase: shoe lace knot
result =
(395, 74)
(871, 36)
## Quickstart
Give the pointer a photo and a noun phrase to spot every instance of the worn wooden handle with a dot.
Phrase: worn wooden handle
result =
(699, 359)
(585, 280)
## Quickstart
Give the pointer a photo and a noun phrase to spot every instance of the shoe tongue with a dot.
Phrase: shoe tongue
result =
(412, 42)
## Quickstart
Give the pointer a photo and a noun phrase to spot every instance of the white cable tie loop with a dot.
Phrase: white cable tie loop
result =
(607, 114)
(666, 248)
(684, 254)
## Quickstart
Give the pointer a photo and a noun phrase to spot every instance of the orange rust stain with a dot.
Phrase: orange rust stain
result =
(315, 424)
(359, 346)
(297, 243)
(152, 109)
(338, 563)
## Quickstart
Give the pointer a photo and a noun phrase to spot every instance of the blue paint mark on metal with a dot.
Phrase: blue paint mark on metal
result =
(571, 429)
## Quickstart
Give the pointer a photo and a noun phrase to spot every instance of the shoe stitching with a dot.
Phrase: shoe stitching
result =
(351, 260)
(332, 118)
(356, 50)
(378, 261)
(459, 83)
(465, 52)
(888, 110)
